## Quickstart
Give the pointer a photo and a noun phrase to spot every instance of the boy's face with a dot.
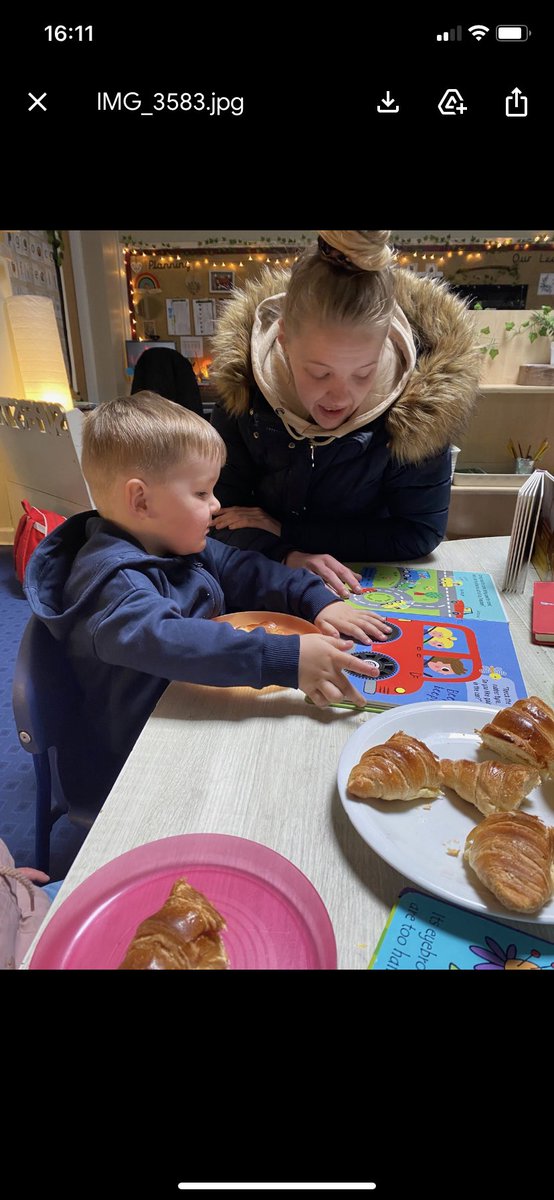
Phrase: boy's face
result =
(180, 508)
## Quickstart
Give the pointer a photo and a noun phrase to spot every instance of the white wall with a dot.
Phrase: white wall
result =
(101, 295)
(103, 320)
(11, 387)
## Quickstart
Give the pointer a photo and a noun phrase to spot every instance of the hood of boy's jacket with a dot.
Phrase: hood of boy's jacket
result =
(429, 400)
(106, 552)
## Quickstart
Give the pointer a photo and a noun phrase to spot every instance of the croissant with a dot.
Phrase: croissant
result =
(513, 854)
(490, 786)
(400, 769)
(523, 733)
(181, 936)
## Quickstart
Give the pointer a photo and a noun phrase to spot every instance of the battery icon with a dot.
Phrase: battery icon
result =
(512, 33)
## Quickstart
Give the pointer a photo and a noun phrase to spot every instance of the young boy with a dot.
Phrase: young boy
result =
(130, 589)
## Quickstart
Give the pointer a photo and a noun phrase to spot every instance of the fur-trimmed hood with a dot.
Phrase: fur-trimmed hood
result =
(437, 402)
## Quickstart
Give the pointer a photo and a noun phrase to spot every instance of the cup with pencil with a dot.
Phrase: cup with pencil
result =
(525, 463)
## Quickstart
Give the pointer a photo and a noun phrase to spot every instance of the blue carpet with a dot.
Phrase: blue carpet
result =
(17, 776)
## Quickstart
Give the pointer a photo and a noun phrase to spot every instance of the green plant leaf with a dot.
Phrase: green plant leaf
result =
(483, 349)
(509, 325)
(478, 307)
(486, 330)
(533, 336)
(493, 352)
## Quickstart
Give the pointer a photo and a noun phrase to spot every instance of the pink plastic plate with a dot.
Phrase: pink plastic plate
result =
(275, 918)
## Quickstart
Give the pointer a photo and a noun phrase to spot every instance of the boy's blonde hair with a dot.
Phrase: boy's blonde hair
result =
(143, 435)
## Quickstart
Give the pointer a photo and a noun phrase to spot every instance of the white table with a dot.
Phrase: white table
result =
(263, 766)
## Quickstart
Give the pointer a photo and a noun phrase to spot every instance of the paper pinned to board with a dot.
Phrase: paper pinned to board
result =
(532, 537)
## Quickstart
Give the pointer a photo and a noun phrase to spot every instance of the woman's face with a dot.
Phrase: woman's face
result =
(333, 368)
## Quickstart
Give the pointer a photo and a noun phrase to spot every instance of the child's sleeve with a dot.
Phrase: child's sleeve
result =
(252, 581)
(147, 632)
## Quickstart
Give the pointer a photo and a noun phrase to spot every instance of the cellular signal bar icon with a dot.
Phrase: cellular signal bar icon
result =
(455, 35)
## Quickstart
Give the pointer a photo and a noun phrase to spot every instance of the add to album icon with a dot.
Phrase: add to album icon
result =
(452, 103)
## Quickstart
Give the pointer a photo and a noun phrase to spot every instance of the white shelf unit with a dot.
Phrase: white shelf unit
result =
(513, 389)
(484, 490)
(503, 411)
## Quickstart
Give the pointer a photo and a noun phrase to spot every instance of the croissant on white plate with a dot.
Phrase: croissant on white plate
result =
(490, 786)
(513, 855)
(400, 769)
(182, 936)
(524, 732)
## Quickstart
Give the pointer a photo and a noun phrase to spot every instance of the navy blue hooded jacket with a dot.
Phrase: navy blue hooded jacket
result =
(130, 622)
(377, 494)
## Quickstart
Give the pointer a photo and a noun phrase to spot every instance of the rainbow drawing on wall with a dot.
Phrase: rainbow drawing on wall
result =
(146, 281)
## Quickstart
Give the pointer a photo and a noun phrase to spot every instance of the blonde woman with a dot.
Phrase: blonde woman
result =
(342, 384)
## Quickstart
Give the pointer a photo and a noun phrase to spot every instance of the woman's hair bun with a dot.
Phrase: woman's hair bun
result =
(366, 249)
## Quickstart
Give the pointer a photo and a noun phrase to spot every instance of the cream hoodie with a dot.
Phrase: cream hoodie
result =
(274, 378)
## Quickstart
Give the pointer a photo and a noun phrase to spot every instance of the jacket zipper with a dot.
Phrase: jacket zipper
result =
(312, 452)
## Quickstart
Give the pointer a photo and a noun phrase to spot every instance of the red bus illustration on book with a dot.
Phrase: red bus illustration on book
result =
(416, 653)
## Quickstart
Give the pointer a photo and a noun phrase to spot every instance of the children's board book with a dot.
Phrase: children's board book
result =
(449, 639)
(532, 537)
(427, 934)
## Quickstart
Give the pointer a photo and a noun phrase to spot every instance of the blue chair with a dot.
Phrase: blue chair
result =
(46, 705)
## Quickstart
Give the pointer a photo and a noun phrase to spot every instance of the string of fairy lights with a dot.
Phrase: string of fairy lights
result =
(141, 257)
(218, 259)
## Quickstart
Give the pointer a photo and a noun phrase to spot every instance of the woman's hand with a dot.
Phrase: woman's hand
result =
(361, 626)
(236, 517)
(332, 572)
(321, 669)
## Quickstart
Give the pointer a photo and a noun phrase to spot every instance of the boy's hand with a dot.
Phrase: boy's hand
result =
(320, 671)
(337, 577)
(363, 627)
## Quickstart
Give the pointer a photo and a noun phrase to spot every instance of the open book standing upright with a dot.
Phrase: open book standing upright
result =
(532, 538)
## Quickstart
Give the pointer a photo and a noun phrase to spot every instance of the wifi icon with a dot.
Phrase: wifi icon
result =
(478, 31)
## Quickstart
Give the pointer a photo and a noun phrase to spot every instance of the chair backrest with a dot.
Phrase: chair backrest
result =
(169, 374)
(47, 706)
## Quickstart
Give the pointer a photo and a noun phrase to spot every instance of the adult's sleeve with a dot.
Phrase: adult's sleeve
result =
(417, 500)
(237, 484)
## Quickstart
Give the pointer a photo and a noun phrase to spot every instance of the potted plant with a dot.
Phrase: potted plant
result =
(503, 344)
(541, 324)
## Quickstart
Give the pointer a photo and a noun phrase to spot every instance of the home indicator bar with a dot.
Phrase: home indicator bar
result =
(277, 1187)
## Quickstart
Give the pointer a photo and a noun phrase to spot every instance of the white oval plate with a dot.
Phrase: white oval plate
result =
(415, 837)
